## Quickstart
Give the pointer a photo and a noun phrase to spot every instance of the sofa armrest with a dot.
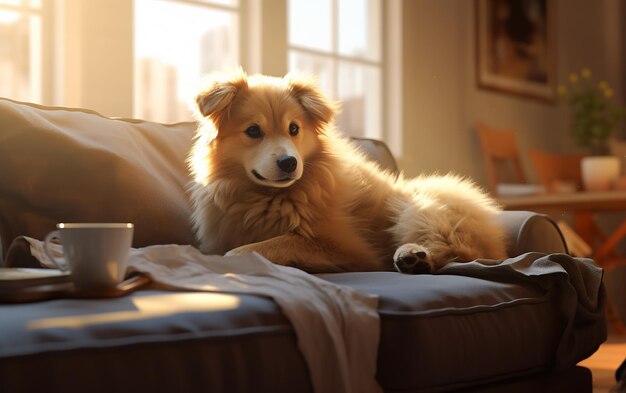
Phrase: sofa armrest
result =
(531, 232)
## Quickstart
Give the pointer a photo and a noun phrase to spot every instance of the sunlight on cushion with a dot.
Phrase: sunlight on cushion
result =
(147, 307)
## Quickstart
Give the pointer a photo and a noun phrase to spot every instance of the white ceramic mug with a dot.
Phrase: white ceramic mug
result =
(96, 254)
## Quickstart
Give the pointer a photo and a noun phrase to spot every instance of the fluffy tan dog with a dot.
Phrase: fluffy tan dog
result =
(274, 176)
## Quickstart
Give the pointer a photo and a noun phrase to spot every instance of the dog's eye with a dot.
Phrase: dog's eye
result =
(254, 132)
(293, 129)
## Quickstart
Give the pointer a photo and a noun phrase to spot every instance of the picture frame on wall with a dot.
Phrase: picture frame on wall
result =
(516, 48)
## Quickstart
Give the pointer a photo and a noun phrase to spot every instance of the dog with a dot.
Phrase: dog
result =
(274, 176)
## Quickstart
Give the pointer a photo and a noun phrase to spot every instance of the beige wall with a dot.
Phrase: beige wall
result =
(442, 102)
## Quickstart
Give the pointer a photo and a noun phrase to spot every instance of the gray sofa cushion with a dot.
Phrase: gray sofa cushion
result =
(463, 330)
(150, 341)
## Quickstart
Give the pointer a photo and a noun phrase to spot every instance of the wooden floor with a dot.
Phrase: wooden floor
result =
(605, 361)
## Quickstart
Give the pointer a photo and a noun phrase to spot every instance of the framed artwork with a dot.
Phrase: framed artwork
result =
(516, 48)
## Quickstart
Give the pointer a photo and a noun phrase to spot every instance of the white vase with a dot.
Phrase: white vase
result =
(599, 173)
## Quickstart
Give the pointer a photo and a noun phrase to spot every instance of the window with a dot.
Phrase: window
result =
(176, 44)
(21, 49)
(339, 41)
(154, 53)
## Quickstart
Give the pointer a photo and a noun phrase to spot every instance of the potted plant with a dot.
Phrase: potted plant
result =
(595, 116)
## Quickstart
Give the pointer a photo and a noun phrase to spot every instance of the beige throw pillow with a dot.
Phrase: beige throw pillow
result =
(75, 165)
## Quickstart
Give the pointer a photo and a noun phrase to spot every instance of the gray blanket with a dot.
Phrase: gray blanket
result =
(577, 283)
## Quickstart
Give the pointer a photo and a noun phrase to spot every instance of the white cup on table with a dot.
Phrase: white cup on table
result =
(96, 254)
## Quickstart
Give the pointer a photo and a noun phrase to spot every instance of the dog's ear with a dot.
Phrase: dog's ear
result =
(314, 102)
(215, 101)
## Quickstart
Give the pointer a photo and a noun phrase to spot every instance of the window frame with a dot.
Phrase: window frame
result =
(336, 58)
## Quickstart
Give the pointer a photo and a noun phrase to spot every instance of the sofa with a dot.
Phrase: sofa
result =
(440, 332)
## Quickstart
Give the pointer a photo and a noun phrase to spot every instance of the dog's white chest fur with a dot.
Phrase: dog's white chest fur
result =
(277, 214)
(238, 217)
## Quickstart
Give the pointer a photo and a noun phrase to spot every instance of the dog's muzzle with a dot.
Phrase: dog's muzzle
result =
(281, 172)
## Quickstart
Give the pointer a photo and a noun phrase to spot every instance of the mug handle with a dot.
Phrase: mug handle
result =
(58, 262)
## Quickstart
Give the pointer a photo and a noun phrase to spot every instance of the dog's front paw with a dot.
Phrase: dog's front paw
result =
(412, 258)
(240, 251)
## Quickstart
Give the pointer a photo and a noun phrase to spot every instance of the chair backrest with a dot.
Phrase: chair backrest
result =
(556, 171)
(501, 156)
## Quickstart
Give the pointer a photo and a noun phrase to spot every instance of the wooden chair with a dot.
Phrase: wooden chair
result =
(501, 156)
(561, 173)
(556, 171)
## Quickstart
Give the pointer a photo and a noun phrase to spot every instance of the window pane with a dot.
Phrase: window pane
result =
(321, 67)
(20, 56)
(310, 24)
(360, 28)
(360, 95)
(175, 45)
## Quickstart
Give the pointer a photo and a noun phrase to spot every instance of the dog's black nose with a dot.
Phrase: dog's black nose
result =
(287, 163)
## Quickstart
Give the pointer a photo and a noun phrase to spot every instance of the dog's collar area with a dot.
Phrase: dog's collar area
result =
(258, 176)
